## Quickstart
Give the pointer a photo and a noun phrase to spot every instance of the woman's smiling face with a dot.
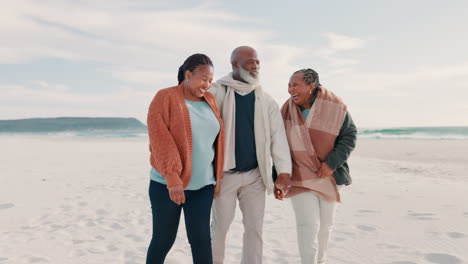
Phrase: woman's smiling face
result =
(300, 91)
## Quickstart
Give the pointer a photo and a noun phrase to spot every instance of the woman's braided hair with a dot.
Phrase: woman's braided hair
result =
(310, 76)
(191, 63)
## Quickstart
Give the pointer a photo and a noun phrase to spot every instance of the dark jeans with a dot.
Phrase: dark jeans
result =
(166, 216)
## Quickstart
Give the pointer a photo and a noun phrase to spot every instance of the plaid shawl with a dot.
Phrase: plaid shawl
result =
(311, 141)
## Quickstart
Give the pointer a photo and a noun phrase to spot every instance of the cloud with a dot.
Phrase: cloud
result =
(39, 98)
(336, 44)
(418, 78)
(118, 35)
(141, 46)
(151, 78)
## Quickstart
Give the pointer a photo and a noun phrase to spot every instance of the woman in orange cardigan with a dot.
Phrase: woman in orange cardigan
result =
(186, 143)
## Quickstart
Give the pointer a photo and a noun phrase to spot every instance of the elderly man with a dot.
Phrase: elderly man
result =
(255, 135)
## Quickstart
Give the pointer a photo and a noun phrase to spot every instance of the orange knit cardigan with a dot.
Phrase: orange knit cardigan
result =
(170, 137)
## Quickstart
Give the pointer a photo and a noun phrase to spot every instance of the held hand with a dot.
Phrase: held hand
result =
(176, 193)
(283, 183)
(278, 194)
(216, 192)
(324, 171)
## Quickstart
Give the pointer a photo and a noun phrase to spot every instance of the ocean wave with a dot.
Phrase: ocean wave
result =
(84, 133)
(445, 133)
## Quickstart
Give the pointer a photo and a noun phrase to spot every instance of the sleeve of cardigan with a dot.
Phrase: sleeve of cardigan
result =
(344, 144)
(279, 143)
(164, 152)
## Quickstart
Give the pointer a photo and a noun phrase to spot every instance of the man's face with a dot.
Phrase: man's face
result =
(247, 59)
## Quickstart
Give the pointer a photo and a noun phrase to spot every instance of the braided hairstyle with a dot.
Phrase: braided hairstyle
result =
(191, 63)
(310, 76)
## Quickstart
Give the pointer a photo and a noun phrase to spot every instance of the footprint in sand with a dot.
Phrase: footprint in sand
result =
(77, 241)
(101, 212)
(433, 234)
(66, 207)
(90, 223)
(116, 226)
(111, 247)
(367, 211)
(37, 260)
(3, 259)
(465, 214)
(130, 256)
(135, 238)
(388, 246)
(366, 228)
(393, 197)
(77, 253)
(280, 252)
(173, 261)
(82, 203)
(422, 216)
(347, 234)
(456, 235)
(98, 250)
(6, 206)
(402, 262)
(339, 239)
(364, 213)
(441, 258)
(413, 171)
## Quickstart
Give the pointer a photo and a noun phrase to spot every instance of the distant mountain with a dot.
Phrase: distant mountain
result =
(64, 124)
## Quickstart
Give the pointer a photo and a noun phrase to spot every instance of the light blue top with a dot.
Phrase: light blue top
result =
(305, 113)
(205, 129)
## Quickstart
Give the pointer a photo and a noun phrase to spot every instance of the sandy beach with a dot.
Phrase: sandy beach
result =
(85, 200)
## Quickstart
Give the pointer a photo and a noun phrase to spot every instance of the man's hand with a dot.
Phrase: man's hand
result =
(282, 186)
(324, 171)
(176, 193)
(278, 194)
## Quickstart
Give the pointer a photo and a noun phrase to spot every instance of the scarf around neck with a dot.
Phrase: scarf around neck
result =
(311, 141)
(229, 115)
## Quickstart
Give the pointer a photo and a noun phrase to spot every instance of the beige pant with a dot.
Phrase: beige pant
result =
(314, 220)
(248, 188)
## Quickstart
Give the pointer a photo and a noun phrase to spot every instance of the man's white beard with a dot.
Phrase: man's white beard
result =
(245, 75)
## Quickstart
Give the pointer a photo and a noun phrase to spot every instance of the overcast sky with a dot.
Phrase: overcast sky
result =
(394, 63)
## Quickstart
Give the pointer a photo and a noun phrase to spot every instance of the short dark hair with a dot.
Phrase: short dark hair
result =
(310, 76)
(191, 63)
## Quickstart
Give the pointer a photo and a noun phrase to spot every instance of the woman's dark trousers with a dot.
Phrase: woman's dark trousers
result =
(166, 216)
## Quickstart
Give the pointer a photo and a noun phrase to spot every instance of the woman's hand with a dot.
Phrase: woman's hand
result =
(278, 194)
(324, 170)
(176, 193)
(282, 186)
